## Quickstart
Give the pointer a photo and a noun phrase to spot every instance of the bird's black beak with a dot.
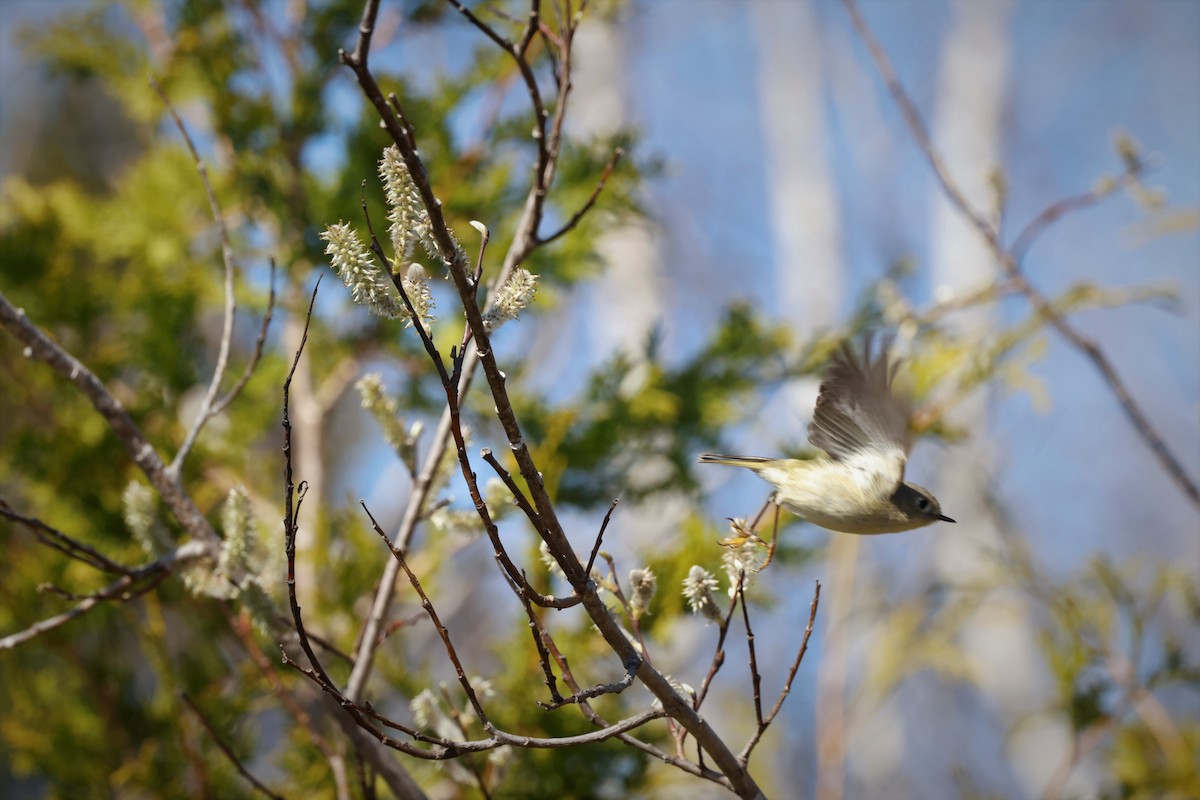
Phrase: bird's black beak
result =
(944, 518)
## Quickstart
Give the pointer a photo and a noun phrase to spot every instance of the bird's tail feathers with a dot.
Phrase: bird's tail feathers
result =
(733, 461)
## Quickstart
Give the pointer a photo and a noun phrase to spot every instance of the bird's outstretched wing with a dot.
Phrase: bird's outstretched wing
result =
(858, 420)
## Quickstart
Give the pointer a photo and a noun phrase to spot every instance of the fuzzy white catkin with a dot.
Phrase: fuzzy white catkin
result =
(367, 283)
(698, 589)
(644, 584)
(416, 286)
(511, 299)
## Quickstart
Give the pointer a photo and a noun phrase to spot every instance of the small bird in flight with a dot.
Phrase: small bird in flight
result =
(858, 486)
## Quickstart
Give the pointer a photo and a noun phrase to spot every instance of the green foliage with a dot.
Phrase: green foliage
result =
(122, 267)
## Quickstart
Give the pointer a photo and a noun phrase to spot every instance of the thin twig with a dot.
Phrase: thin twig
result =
(518, 496)
(256, 355)
(464, 368)
(600, 536)
(591, 201)
(755, 677)
(619, 593)
(1067, 205)
(1011, 267)
(744, 756)
(458, 719)
(531, 27)
(52, 537)
(599, 721)
(539, 110)
(291, 513)
(597, 690)
(448, 749)
(543, 655)
(206, 411)
(426, 604)
(561, 742)
(718, 659)
(227, 750)
(498, 550)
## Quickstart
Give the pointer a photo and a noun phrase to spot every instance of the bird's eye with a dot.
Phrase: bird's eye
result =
(922, 504)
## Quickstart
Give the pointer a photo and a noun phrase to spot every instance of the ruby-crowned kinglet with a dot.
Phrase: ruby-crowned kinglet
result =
(862, 426)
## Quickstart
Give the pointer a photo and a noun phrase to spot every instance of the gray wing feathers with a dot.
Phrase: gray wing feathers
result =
(856, 411)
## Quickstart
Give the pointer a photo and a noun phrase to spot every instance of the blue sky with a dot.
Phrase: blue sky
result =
(1079, 72)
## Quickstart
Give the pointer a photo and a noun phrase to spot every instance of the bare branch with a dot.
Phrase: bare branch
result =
(518, 496)
(501, 553)
(531, 28)
(744, 756)
(52, 537)
(718, 659)
(598, 690)
(426, 604)
(493, 533)
(447, 749)
(256, 356)
(600, 537)
(362, 716)
(535, 95)
(1067, 205)
(500, 738)
(608, 732)
(591, 201)
(593, 717)
(755, 677)
(366, 29)
(619, 593)
(543, 654)
(370, 637)
(206, 411)
(291, 514)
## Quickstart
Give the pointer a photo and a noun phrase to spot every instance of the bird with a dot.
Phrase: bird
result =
(861, 426)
